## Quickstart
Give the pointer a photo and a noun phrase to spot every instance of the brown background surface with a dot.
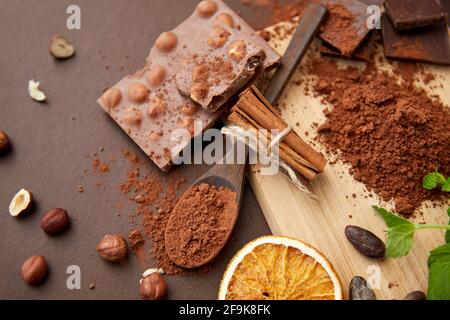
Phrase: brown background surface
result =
(52, 143)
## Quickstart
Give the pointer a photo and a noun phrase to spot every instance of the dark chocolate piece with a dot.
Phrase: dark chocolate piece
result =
(409, 14)
(428, 44)
(346, 26)
(309, 25)
(362, 54)
(150, 106)
(446, 5)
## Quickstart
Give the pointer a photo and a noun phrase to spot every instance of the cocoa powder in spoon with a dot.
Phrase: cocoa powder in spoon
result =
(200, 224)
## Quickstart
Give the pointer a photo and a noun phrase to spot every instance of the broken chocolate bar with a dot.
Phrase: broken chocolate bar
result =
(362, 54)
(151, 107)
(427, 44)
(220, 54)
(346, 26)
(408, 14)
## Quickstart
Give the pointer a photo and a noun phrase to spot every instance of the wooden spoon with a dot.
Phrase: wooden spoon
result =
(221, 175)
(231, 176)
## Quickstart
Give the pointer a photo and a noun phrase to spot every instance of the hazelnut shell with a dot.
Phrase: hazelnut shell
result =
(21, 203)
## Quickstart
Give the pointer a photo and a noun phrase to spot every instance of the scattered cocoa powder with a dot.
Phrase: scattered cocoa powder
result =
(155, 195)
(200, 224)
(99, 167)
(209, 73)
(409, 72)
(391, 133)
(135, 240)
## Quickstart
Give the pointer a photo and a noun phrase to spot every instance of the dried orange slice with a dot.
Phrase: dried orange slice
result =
(279, 268)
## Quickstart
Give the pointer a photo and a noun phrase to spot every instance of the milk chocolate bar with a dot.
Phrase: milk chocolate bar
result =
(152, 104)
(427, 44)
(219, 54)
(408, 14)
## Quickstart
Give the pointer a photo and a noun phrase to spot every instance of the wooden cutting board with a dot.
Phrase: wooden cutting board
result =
(321, 223)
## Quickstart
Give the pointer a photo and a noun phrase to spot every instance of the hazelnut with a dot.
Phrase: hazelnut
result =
(153, 287)
(21, 203)
(112, 248)
(60, 48)
(132, 117)
(156, 107)
(224, 18)
(137, 92)
(4, 142)
(237, 50)
(167, 41)
(55, 221)
(218, 37)
(34, 270)
(189, 109)
(206, 8)
(156, 76)
(154, 136)
(111, 98)
(199, 91)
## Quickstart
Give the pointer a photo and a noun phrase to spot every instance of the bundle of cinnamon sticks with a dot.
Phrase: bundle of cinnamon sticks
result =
(254, 112)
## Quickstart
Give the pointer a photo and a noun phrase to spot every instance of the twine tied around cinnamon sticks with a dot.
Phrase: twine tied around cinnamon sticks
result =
(254, 112)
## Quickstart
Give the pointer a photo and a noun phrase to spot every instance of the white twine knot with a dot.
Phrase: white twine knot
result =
(252, 142)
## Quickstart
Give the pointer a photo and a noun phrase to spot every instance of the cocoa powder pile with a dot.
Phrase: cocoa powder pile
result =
(200, 224)
(390, 132)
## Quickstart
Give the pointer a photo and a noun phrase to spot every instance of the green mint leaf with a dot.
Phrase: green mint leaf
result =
(433, 180)
(439, 273)
(391, 219)
(447, 234)
(400, 240)
(446, 186)
(400, 234)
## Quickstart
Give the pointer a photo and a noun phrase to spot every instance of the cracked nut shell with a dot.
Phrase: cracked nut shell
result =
(21, 203)
(60, 48)
(55, 221)
(112, 247)
(4, 142)
(34, 270)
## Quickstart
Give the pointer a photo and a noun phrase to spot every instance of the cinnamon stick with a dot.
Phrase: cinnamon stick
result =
(253, 111)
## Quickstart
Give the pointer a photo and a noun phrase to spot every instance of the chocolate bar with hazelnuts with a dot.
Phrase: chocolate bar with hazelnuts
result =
(191, 72)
